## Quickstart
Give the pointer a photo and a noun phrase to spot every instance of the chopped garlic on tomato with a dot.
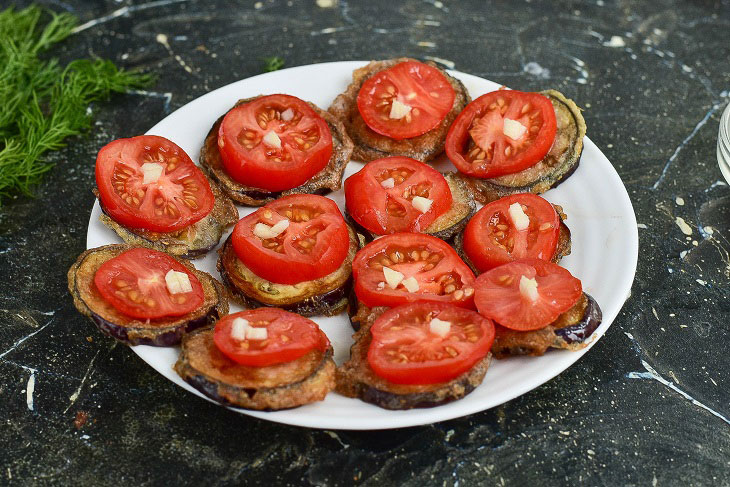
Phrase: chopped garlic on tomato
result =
(528, 288)
(421, 204)
(392, 277)
(152, 172)
(399, 110)
(272, 140)
(256, 333)
(513, 129)
(264, 231)
(238, 330)
(287, 114)
(439, 327)
(520, 220)
(178, 282)
(388, 183)
(410, 284)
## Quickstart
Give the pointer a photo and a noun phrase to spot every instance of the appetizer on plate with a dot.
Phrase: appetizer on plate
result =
(152, 194)
(406, 267)
(508, 141)
(268, 146)
(514, 227)
(399, 107)
(294, 253)
(265, 359)
(536, 305)
(418, 355)
(141, 296)
(399, 194)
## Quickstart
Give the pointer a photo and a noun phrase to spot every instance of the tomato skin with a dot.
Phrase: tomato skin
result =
(367, 271)
(483, 118)
(418, 85)
(482, 245)
(130, 280)
(252, 162)
(405, 330)
(294, 264)
(498, 294)
(368, 201)
(302, 336)
(120, 181)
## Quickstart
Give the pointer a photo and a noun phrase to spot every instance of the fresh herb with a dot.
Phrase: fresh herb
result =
(273, 63)
(41, 102)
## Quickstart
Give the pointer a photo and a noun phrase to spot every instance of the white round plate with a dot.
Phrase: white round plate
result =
(600, 217)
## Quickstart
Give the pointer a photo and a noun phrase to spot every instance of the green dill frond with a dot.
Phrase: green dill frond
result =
(273, 63)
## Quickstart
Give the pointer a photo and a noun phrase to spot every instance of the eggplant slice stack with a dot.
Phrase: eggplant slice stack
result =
(160, 332)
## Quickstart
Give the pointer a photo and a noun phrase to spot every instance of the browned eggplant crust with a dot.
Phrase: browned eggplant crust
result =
(570, 331)
(162, 332)
(190, 242)
(560, 162)
(370, 145)
(324, 296)
(563, 248)
(447, 225)
(362, 316)
(327, 180)
(282, 386)
(355, 378)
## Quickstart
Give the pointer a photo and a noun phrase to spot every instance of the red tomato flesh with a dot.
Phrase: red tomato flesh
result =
(498, 294)
(289, 336)
(180, 197)
(476, 142)
(422, 88)
(388, 210)
(491, 239)
(248, 135)
(439, 272)
(314, 245)
(404, 350)
(134, 283)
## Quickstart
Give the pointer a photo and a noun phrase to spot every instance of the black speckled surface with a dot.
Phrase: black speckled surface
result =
(649, 405)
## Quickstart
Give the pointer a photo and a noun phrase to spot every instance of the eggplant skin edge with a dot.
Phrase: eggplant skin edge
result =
(572, 336)
(356, 379)
(325, 181)
(140, 335)
(312, 388)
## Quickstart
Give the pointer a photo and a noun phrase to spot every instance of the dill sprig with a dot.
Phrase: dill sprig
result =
(41, 102)
(273, 63)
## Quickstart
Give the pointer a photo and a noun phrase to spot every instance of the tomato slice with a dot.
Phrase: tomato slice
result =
(499, 297)
(440, 275)
(477, 143)
(180, 196)
(134, 283)
(423, 94)
(289, 336)
(404, 350)
(384, 209)
(274, 142)
(314, 244)
(491, 239)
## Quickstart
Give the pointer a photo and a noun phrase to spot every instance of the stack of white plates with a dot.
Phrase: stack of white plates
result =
(723, 144)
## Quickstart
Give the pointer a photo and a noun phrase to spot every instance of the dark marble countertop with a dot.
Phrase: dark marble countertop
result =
(648, 405)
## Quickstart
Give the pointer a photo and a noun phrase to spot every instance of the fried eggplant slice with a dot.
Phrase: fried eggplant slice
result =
(327, 180)
(370, 145)
(355, 378)
(571, 331)
(447, 225)
(161, 332)
(274, 387)
(190, 242)
(563, 248)
(560, 162)
(326, 296)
